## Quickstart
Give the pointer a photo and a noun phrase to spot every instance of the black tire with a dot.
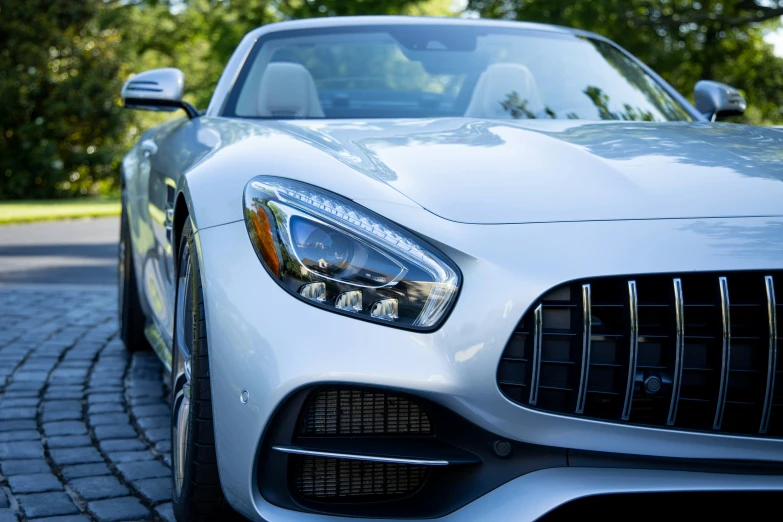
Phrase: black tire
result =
(131, 316)
(201, 496)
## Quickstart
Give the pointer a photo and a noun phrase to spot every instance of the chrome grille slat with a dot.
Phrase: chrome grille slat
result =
(587, 334)
(772, 356)
(726, 354)
(633, 350)
(679, 318)
(633, 304)
(538, 332)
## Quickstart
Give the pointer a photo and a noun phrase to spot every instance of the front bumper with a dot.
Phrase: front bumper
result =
(268, 344)
(535, 494)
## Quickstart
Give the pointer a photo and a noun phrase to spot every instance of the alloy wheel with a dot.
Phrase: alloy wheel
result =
(181, 368)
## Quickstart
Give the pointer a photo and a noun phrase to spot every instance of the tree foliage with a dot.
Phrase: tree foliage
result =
(59, 77)
(62, 63)
(683, 40)
(199, 36)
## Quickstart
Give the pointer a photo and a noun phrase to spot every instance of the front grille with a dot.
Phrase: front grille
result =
(325, 479)
(694, 351)
(362, 412)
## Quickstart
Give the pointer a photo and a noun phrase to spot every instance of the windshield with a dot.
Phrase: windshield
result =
(426, 71)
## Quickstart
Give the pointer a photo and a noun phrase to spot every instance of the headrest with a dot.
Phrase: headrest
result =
(509, 83)
(287, 90)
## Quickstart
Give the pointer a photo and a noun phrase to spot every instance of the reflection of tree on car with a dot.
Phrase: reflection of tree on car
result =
(517, 108)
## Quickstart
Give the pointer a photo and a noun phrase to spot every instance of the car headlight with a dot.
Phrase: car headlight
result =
(334, 254)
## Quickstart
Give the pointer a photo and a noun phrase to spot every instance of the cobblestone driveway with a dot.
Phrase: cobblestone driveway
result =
(84, 428)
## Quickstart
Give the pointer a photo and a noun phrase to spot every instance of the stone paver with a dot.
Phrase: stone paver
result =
(36, 483)
(104, 407)
(9, 436)
(18, 425)
(117, 431)
(85, 470)
(24, 467)
(65, 456)
(130, 456)
(69, 441)
(19, 450)
(103, 419)
(139, 470)
(59, 415)
(97, 488)
(64, 518)
(83, 425)
(52, 429)
(154, 489)
(117, 509)
(47, 505)
(166, 512)
(112, 445)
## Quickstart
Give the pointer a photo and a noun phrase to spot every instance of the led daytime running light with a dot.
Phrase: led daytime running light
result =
(361, 221)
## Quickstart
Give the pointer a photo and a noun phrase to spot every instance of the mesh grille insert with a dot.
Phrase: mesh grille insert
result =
(327, 479)
(360, 412)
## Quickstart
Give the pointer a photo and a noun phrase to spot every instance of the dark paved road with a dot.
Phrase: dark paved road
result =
(61, 252)
(84, 427)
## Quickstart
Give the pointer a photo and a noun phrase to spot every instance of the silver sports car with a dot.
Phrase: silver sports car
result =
(413, 268)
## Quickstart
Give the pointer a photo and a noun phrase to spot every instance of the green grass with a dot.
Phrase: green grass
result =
(47, 210)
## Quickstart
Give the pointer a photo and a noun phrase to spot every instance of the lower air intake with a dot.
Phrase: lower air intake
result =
(325, 479)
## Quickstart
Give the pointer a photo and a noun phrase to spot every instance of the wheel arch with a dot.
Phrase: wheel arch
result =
(181, 213)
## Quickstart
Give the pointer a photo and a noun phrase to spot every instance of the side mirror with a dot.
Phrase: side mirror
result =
(157, 90)
(717, 100)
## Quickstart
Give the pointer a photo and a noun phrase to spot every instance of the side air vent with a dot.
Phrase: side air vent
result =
(361, 412)
(684, 351)
(360, 445)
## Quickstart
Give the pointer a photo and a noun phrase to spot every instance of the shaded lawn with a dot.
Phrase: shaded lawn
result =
(46, 210)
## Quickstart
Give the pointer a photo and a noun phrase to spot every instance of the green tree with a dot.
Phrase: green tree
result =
(60, 72)
(311, 9)
(683, 40)
(199, 36)
(62, 63)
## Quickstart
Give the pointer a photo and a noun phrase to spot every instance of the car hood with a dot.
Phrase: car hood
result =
(477, 171)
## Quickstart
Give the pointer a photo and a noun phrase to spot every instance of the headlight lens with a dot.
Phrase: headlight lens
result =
(334, 254)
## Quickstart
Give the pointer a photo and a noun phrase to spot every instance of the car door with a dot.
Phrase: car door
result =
(170, 153)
